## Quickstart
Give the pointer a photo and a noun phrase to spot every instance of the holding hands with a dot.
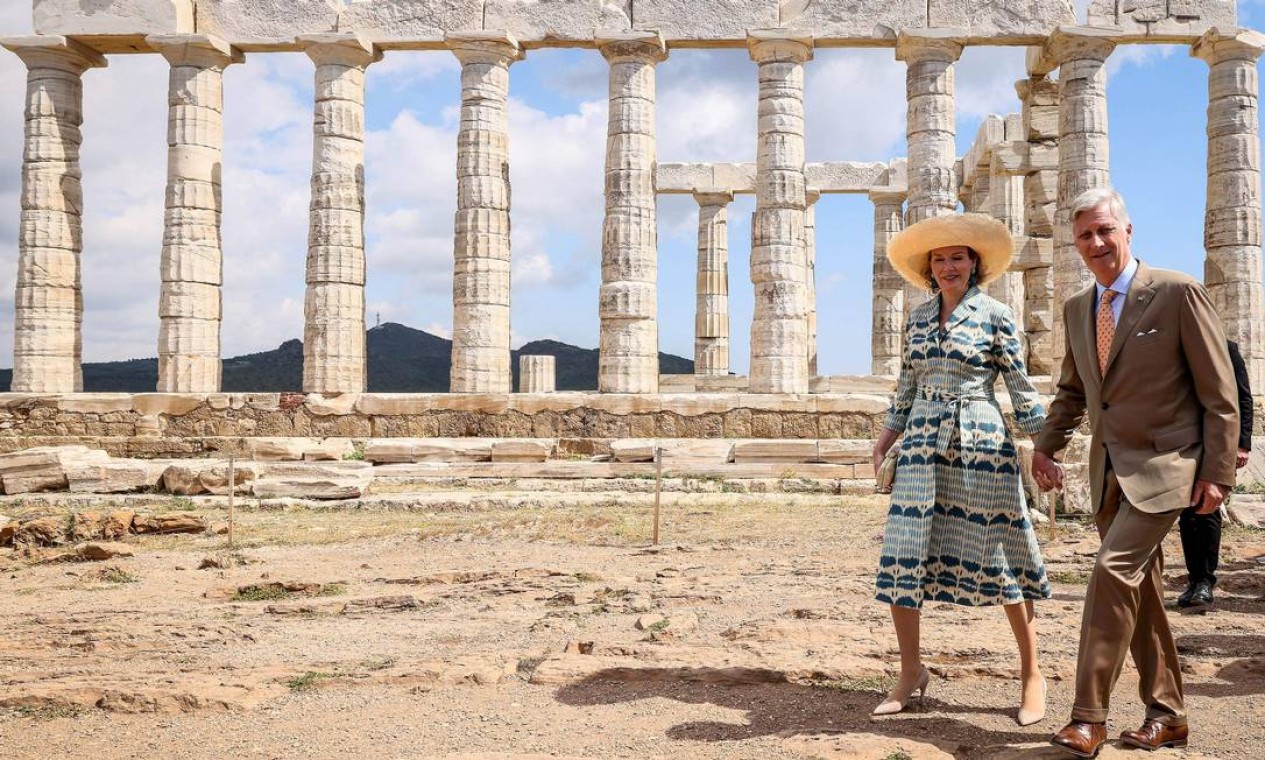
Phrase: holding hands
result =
(1047, 472)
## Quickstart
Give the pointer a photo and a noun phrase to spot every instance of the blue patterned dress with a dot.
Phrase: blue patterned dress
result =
(958, 528)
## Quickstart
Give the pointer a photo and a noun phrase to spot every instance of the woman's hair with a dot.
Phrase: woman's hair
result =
(976, 274)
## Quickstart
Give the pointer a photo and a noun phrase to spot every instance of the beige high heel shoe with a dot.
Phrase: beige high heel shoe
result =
(893, 704)
(1028, 717)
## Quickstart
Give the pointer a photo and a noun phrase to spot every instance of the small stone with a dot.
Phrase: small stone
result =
(103, 550)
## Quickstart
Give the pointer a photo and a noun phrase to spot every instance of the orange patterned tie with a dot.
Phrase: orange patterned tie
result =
(1106, 328)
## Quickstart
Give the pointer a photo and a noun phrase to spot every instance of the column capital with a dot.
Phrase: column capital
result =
(1072, 43)
(930, 45)
(785, 45)
(201, 50)
(1228, 44)
(484, 47)
(54, 52)
(886, 196)
(632, 47)
(350, 50)
(713, 196)
(811, 195)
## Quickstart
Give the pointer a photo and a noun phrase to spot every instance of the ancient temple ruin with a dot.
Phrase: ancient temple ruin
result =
(1024, 168)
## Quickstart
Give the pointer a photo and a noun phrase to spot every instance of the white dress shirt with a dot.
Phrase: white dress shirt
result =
(1121, 286)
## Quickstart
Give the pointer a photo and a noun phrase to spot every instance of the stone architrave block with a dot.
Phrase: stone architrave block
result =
(999, 19)
(845, 176)
(854, 19)
(777, 452)
(693, 20)
(240, 21)
(556, 19)
(387, 20)
(117, 17)
(1163, 18)
(522, 450)
(683, 178)
(115, 476)
(45, 468)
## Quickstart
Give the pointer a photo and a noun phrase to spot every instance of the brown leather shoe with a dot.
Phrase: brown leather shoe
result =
(1081, 739)
(1155, 735)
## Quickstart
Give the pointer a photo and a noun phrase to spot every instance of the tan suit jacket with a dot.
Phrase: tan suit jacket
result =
(1165, 410)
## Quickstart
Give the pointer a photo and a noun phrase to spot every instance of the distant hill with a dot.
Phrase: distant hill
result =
(401, 360)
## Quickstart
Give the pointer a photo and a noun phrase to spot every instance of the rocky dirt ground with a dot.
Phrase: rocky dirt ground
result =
(556, 631)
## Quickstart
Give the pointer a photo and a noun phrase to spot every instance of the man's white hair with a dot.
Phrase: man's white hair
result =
(1096, 197)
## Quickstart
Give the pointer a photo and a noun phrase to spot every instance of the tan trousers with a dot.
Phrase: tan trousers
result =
(1124, 610)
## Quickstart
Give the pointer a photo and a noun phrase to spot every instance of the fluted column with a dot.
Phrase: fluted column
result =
(1232, 220)
(628, 344)
(888, 321)
(537, 373)
(1040, 98)
(481, 255)
(811, 196)
(192, 268)
(711, 318)
(1084, 151)
(48, 303)
(1006, 205)
(334, 357)
(930, 128)
(779, 325)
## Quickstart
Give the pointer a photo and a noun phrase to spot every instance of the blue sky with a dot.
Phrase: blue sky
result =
(706, 112)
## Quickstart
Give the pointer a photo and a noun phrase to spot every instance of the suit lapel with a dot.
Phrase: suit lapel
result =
(964, 309)
(1136, 303)
(1081, 337)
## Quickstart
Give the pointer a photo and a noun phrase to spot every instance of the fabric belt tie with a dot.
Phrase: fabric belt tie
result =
(951, 417)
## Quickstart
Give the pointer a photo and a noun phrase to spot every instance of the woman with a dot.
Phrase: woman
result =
(958, 528)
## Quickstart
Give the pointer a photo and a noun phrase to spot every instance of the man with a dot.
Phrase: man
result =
(1147, 360)
(1201, 534)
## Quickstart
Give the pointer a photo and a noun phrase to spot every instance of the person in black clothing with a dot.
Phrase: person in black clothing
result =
(1201, 534)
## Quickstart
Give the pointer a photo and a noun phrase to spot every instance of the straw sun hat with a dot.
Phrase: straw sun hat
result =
(910, 250)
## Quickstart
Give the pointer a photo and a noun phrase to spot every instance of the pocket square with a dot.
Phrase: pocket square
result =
(1152, 331)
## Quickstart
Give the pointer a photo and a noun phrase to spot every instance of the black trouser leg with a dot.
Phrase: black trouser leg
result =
(1201, 543)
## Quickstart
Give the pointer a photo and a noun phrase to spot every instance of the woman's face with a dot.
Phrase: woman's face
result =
(951, 268)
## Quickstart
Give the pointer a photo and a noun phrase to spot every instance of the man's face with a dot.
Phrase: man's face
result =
(1103, 243)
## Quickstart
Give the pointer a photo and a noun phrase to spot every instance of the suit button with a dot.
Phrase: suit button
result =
(1105, 405)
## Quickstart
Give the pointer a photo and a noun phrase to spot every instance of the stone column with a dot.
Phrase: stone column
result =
(48, 303)
(1006, 205)
(811, 196)
(930, 128)
(1040, 98)
(779, 325)
(889, 289)
(1083, 151)
(711, 319)
(334, 357)
(192, 265)
(481, 256)
(1232, 220)
(628, 344)
(536, 374)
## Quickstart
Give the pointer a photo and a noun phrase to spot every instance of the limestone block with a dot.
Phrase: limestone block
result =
(522, 450)
(790, 451)
(279, 449)
(325, 406)
(95, 403)
(172, 522)
(385, 20)
(452, 450)
(633, 450)
(393, 403)
(844, 451)
(172, 404)
(855, 19)
(1246, 510)
(390, 450)
(121, 17)
(721, 384)
(1004, 19)
(678, 452)
(315, 483)
(861, 403)
(845, 176)
(44, 468)
(239, 21)
(1163, 18)
(555, 20)
(208, 476)
(692, 20)
(677, 383)
(115, 476)
(853, 384)
(329, 450)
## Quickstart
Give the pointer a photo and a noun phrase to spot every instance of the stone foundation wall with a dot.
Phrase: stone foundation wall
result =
(170, 424)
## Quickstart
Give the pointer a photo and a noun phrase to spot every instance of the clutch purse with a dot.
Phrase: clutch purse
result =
(886, 475)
